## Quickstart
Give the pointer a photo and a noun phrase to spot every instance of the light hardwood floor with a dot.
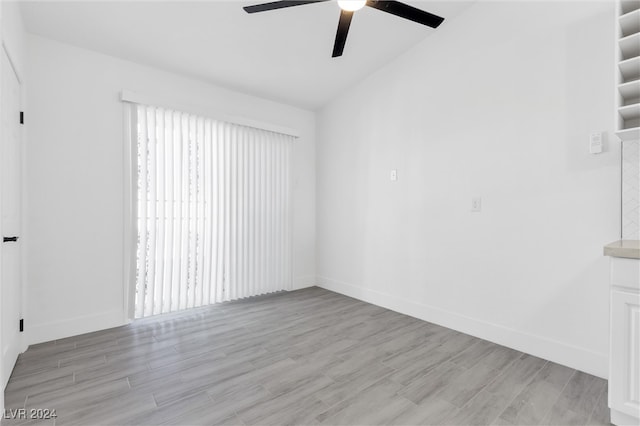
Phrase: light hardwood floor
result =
(304, 357)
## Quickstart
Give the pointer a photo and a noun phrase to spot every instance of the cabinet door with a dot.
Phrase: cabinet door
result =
(624, 383)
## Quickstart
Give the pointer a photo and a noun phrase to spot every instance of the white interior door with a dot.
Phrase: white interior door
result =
(10, 203)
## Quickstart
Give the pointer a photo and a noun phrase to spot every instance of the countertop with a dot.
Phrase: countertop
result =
(623, 248)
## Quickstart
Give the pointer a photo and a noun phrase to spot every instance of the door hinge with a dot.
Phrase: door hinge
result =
(21, 325)
(21, 117)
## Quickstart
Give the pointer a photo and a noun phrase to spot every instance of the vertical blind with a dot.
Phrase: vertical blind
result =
(214, 211)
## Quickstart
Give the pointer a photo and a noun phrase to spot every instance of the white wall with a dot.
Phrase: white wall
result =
(631, 190)
(499, 104)
(13, 34)
(75, 179)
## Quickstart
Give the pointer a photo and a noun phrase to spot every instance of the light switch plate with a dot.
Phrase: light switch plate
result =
(595, 142)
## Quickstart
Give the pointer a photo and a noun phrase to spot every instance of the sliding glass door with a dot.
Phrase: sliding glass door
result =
(213, 211)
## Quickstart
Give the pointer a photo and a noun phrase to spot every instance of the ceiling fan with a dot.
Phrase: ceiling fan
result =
(346, 14)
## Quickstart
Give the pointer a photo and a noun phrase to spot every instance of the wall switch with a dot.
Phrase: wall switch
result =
(595, 142)
(476, 204)
(393, 175)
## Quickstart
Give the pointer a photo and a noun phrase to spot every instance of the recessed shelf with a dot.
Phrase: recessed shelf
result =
(628, 77)
(630, 46)
(631, 134)
(630, 23)
(630, 89)
(627, 6)
(630, 69)
(629, 112)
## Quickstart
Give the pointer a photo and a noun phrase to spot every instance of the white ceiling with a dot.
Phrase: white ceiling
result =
(283, 55)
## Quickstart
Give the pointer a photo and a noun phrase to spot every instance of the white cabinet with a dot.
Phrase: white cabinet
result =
(624, 393)
(624, 357)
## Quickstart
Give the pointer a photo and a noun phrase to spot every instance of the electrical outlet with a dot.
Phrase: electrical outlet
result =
(476, 204)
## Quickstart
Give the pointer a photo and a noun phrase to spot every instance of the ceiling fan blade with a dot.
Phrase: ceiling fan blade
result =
(408, 12)
(278, 5)
(341, 34)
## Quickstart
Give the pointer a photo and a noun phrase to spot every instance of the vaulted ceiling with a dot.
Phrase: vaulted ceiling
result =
(283, 55)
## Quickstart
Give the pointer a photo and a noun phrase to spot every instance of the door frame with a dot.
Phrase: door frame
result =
(130, 234)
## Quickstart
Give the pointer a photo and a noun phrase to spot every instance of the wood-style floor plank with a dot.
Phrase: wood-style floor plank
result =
(305, 357)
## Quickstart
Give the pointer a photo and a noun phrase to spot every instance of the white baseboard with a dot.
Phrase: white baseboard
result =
(569, 355)
(619, 418)
(38, 333)
(304, 282)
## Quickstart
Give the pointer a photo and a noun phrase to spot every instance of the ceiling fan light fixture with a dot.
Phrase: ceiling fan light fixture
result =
(351, 5)
(347, 7)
